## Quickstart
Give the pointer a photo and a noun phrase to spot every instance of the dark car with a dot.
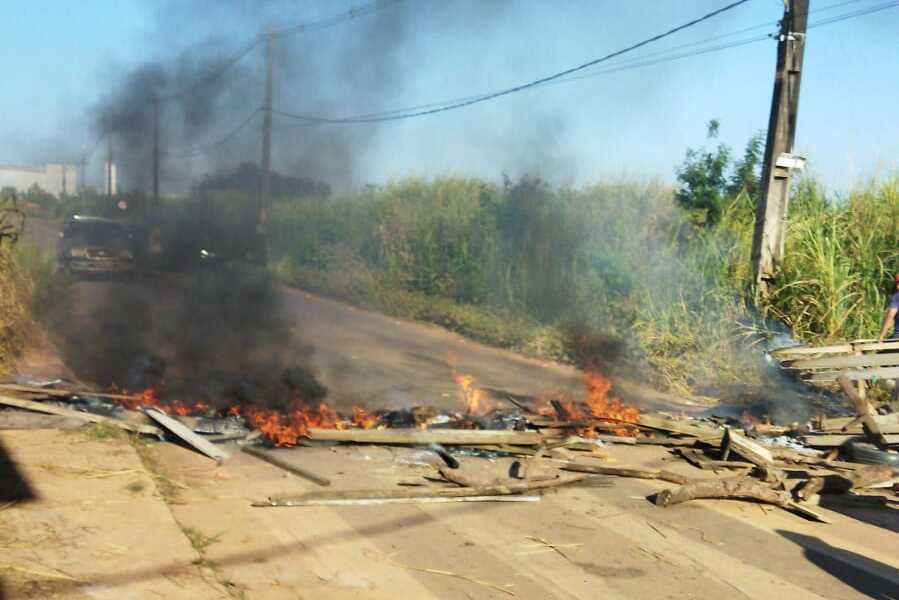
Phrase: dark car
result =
(96, 245)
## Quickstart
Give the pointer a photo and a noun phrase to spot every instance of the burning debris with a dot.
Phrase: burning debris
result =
(548, 436)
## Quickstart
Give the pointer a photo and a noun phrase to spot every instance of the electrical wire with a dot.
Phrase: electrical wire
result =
(858, 13)
(569, 75)
(353, 13)
(215, 73)
(332, 21)
(523, 86)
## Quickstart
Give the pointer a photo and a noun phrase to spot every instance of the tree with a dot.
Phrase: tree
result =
(747, 171)
(703, 180)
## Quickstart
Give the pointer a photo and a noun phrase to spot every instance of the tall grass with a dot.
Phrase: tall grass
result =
(547, 270)
(16, 288)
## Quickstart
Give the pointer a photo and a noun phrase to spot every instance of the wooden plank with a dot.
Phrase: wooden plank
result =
(888, 424)
(679, 427)
(855, 374)
(75, 414)
(835, 440)
(865, 412)
(748, 449)
(177, 428)
(847, 362)
(806, 350)
(55, 392)
(452, 437)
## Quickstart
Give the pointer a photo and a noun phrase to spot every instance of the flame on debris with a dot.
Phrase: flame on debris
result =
(150, 398)
(473, 398)
(602, 406)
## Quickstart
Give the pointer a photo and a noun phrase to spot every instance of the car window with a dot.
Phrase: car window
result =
(103, 234)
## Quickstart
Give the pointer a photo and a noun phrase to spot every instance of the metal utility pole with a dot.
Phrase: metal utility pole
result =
(770, 226)
(155, 152)
(265, 184)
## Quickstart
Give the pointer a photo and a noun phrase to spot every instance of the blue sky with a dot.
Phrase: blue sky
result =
(60, 57)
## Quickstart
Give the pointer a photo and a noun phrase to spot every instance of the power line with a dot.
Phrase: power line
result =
(436, 107)
(215, 73)
(204, 148)
(325, 23)
(353, 13)
(530, 84)
(858, 13)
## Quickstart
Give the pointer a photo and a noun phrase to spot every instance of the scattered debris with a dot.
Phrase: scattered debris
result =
(66, 412)
(186, 435)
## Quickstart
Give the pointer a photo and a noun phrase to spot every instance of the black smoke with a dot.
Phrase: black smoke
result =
(353, 68)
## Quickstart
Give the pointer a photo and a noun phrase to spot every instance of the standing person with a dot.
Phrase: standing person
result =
(889, 319)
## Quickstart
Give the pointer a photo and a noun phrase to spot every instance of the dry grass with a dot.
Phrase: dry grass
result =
(16, 289)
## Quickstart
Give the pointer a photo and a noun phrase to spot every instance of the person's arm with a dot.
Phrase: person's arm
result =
(888, 320)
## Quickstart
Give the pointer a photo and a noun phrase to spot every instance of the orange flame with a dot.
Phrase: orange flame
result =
(149, 398)
(475, 400)
(604, 407)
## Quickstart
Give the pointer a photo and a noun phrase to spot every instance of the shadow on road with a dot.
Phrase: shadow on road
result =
(865, 575)
(14, 488)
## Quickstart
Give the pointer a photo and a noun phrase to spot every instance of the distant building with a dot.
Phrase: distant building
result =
(55, 179)
(110, 178)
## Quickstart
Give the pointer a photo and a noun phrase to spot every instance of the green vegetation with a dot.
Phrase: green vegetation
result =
(616, 269)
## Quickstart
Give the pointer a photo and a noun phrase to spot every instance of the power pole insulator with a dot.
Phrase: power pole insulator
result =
(771, 213)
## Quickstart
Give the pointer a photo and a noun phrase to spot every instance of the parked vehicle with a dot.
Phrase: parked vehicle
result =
(97, 245)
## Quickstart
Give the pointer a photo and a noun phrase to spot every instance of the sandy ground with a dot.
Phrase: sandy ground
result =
(119, 531)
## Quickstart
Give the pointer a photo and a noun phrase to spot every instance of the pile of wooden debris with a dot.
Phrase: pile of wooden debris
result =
(742, 463)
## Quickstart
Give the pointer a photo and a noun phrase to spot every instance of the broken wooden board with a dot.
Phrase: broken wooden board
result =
(748, 449)
(451, 437)
(175, 427)
(41, 391)
(846, 362)
(835, 440)
(848, 348)
(888, 424)
(854, 375)
(865, 412)
(661, 423)
(76, 414)
(700, 460)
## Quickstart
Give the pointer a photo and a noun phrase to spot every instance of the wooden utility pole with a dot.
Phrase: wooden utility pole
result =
(770, 226)
(82, 182)
(265, 183)
(155, 152)
(109, 166)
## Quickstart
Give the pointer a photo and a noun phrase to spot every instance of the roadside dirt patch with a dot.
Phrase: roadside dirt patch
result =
(97, 526)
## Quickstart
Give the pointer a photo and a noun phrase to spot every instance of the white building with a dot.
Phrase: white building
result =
(56, 179)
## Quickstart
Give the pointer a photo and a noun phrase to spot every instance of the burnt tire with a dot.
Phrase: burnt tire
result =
(869, 454)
